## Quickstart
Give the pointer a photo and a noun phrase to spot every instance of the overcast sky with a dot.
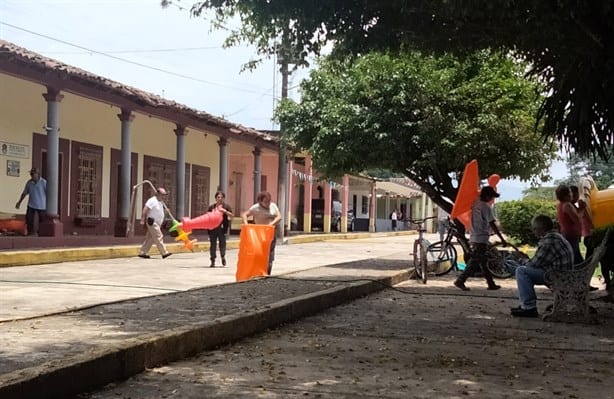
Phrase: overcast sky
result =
(162, 51)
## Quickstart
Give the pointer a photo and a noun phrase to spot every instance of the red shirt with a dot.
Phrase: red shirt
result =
(568, 225)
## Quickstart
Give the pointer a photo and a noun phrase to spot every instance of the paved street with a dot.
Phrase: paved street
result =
(421, 342)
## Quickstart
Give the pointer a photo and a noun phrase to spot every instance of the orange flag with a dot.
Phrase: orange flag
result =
(468, 191)
(254, 246)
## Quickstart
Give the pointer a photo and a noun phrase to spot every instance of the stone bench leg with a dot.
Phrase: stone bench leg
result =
(571, 297)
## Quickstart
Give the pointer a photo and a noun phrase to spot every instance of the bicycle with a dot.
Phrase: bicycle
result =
(420, 250)
(443, 254)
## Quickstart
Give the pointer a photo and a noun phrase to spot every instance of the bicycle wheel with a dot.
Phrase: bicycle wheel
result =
(496, 261)
(420, 260)
(441, 257)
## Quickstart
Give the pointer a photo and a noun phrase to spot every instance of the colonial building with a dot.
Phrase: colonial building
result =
(95, 140)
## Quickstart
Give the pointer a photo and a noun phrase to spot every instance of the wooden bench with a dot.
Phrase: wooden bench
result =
(570, 288)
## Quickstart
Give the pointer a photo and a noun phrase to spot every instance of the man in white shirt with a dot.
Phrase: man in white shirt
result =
(152, 217)
(393, 216)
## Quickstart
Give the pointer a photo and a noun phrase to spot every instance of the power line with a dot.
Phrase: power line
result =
(180, 75)
(136, 51)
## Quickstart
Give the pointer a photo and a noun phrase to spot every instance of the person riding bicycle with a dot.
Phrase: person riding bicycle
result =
(482, 221)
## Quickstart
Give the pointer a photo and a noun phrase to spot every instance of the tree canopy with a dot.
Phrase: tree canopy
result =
(569, 43)
(577, 166)
(422, 116)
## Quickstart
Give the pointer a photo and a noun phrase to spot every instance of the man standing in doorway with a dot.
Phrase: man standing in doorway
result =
(36, 190)
(393, 216)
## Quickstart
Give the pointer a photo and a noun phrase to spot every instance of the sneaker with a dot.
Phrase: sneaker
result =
(525, 312)
(493, 287)
(461, 285)
(166, 255)
(144, 256)
(223, 261)
(516, 308)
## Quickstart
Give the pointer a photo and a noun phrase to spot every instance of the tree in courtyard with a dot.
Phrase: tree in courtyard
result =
(601, 171)
(569, 44)
(422, 116)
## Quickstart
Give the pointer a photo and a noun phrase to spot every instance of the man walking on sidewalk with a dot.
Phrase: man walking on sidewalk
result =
(482, 221)
(152, 217)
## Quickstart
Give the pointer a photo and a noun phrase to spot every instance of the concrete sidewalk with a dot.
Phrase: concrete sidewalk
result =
(71, 327)
(117, 328)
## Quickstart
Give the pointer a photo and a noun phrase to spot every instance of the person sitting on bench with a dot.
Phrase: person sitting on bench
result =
(553, 252)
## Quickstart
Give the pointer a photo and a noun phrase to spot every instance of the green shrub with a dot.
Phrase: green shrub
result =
(515, 217)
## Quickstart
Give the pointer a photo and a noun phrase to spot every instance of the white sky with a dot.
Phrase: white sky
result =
(135, 32)
(127, 29)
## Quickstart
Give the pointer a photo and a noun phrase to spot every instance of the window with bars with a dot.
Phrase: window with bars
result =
(200, 190)
(364, 205)
(162, 174)
(89, 171)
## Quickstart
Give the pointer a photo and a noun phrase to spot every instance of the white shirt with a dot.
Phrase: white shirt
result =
(156, 210)
(262, 215)
(481, 216)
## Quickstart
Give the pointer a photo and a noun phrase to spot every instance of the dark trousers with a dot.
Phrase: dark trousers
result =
(214, 236)
(590, 246)
(32, 213)
(479, 258)
(271, 255)
(574, 241)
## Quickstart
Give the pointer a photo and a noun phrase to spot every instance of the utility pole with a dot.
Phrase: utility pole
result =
(282, 170)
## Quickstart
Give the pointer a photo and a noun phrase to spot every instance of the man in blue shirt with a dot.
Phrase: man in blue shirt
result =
(553, 252)
(36, 190)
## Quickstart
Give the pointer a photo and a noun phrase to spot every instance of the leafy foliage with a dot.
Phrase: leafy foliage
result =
(568, 43)
(543, 192)
(425, 117)
(601, 171)
(515, 217)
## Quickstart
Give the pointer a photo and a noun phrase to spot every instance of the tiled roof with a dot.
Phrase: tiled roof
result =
(24, 59)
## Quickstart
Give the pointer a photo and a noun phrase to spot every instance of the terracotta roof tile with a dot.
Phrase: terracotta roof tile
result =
(13, 54)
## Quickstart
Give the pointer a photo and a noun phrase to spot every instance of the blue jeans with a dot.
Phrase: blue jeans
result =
(526, 279)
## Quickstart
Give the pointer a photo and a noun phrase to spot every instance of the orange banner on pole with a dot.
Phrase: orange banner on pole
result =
(254, 247)
(468, 191)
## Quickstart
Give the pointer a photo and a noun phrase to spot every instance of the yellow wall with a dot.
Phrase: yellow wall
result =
(24, 99)
(23, 110)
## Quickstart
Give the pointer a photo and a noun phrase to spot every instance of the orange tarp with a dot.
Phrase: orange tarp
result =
(254, 246)
(13, 225)
(208, 220)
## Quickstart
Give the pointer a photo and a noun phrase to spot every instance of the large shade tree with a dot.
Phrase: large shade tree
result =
(423, 116)
(569, 43)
